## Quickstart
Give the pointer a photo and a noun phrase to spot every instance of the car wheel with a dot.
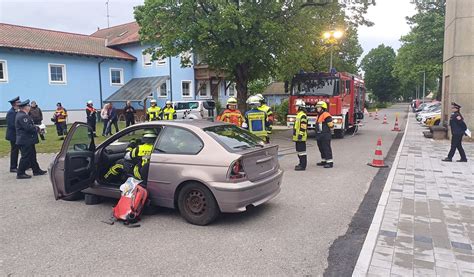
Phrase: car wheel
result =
(197, 204)
(75, 196)
(91, 199)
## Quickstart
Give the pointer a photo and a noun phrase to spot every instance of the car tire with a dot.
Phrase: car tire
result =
(91, 199)
(339, 133)
(74, 197)
(197, 204)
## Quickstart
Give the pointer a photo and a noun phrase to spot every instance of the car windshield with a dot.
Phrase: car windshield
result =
(324, 87)
(186, 105)
(234, 138)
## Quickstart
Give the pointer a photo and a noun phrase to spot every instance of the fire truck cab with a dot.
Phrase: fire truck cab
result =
(343, 92)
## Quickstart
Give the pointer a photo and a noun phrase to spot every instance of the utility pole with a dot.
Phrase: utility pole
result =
(424, 85)
(108, 16)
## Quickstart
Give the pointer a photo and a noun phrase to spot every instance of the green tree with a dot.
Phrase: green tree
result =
(422, 49)
(378, 67)
(245, 39)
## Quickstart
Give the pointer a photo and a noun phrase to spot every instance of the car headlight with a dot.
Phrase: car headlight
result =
(337, 120)
(291, 119)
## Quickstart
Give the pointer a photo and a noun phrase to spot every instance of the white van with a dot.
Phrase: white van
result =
(195, 109)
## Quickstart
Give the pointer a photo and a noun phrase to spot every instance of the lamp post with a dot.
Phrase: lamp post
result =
(332, 37)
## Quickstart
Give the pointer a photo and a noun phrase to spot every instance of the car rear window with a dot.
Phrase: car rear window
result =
(187, 105)
(234, 138)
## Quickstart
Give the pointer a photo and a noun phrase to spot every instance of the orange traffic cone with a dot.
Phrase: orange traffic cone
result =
(396, 127)
(385, 119)
(378, 158)
(376, 117)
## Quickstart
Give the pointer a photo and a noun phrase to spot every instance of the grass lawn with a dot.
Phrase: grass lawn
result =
(52, 144)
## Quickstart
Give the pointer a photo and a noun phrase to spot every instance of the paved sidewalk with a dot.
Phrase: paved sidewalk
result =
(424, 224)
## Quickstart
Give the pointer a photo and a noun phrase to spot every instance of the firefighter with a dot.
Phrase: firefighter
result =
(59, 119)
(300, 134)
(269, 112)
(458, 130)
(232, 114)
(256, 120)
(168, 111)
(153, 112)
(91, 114)
(324, 125)
(136, 160)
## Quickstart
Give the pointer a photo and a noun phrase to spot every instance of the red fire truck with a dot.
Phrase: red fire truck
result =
(343, 92)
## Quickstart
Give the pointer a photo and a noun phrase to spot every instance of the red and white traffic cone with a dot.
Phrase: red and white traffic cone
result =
(385, 119)
(378, 158)
(376, 117)
(396, 128)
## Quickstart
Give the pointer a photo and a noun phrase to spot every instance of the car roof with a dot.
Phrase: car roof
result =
(196, 123)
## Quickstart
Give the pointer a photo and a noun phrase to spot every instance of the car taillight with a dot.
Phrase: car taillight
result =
(236, 171)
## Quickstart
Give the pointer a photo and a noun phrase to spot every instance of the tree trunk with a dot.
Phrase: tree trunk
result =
(241, 82)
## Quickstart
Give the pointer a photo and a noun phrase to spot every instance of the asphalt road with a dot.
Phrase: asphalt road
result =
(290, 235)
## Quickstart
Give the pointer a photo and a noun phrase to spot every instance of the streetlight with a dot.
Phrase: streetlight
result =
(332, 37)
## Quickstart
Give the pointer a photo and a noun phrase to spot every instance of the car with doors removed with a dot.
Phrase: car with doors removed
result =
(199, 167)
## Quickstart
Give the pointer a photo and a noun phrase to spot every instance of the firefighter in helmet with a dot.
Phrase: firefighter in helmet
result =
(324, 125)
(136, 160)
(153, 112)
(168, 111)
(264, 107)
(91, 115)
(300, 134)
(232, 114)
(256, 120)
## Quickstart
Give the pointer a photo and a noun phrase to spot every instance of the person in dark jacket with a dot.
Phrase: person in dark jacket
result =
(91, 115)
(113, 120)
(37, 116)
(458, 130)
(26, 138)
(324, 125)
(129, 112)
(11, 133)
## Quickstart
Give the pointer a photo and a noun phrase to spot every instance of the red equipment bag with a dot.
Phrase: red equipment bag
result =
(130, 205)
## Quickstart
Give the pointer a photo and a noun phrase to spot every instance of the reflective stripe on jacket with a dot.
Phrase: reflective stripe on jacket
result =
(324, 123)
(153, 113)
(232, 116)
(300, 127)
(60, 115)
(268, 111)
(257, 122)
(169, 113)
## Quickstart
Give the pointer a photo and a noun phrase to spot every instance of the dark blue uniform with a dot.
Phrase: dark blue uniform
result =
(26, 138)
(458, 128)
(11, 137)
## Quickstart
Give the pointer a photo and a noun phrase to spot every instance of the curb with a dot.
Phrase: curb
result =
(365, 256)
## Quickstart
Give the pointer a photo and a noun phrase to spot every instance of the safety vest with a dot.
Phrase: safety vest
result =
(168, 113)
(268, 111)
(322, 126)
(300, 127)
(60, 115)
(232, 117)
(256, 121)
(153, 113)
(142, 152)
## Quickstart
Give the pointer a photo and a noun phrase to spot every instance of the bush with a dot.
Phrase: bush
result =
(282, 111)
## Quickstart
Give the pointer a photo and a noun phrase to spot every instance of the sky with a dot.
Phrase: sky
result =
(85, 16)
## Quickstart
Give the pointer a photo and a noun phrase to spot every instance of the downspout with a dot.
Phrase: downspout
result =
(171, 82)
(100, 83)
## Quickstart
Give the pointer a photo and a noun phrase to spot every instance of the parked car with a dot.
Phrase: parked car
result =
(200, 167)
(435, 108)
(433, 120)
(195, 109)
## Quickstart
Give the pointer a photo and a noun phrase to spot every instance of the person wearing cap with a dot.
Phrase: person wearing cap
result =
(91, 116)
(300, 134)
(232, 115)
(168, 111)
(153, 112)
(59, 119)
(37, 116)
(26, 138)
(11, 133)
(458, 130)
(264, 107)
(129, 112)
(256, 120)
(324, 125)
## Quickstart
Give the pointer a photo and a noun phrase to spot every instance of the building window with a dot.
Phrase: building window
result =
(232, 90)
(161, 62)
(186, 88)
(116, 76)
(163, 91)
(3, 71)
(147, 59)
(57, 73)
(186, 59)
(204, 89)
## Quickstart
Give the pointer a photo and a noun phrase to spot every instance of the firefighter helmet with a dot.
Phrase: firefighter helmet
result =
(168, 102)
(232, 101)
(260, 96)
(254, 101)
(300, 103)
(89, 102)
(322, 104)
(149, 133)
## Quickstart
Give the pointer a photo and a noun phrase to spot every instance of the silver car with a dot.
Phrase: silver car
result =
(202, 168)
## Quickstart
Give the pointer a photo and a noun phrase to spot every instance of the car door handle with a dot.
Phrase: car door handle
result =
(264, 160)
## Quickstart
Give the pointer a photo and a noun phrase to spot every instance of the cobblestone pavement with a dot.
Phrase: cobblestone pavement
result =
(428, 225)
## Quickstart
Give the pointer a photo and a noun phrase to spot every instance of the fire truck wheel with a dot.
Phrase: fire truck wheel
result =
(339, 133)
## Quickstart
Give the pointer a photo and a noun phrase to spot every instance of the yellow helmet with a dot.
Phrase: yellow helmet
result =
(232, 101)
(322, 104)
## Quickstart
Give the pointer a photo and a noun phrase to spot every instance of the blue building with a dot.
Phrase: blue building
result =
(107, 66)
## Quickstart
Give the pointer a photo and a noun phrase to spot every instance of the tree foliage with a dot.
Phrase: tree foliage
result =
(422, 49)
(378, 66)
(246, 39)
